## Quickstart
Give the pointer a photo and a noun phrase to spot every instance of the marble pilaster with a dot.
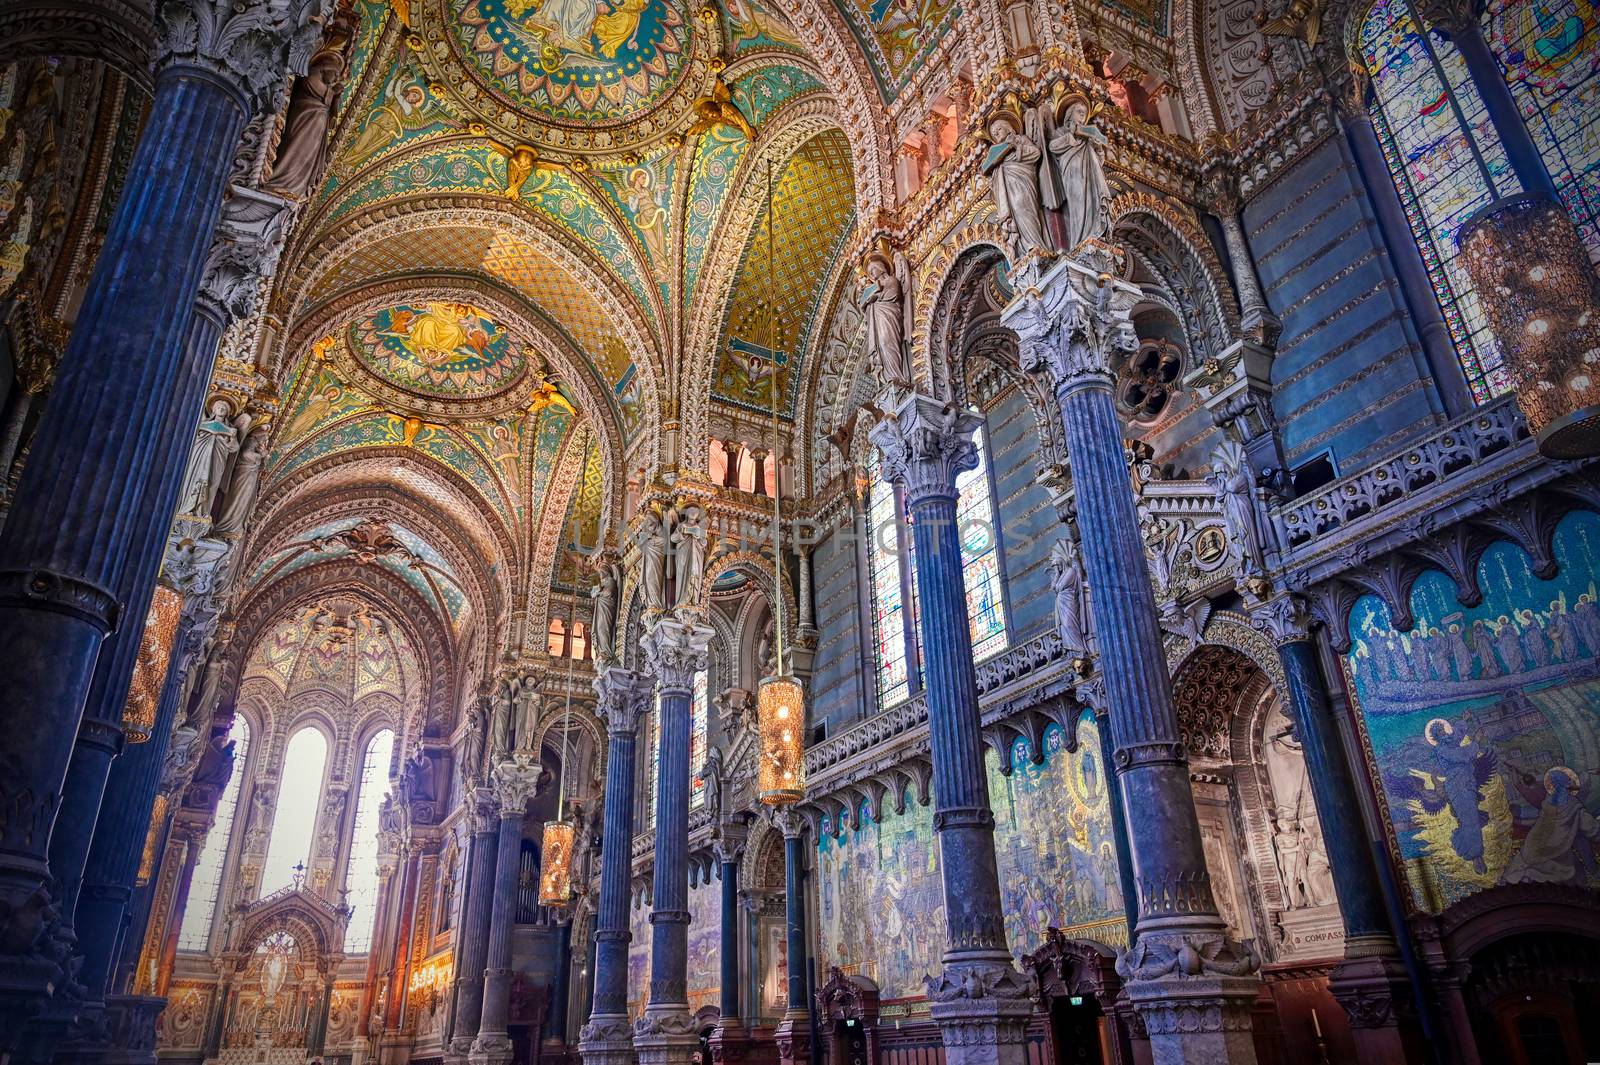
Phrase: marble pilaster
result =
(980, 1001)
(72, 530)
(1193, 988)
(1371, 983)
(675, 649)
(515, 781)
(607, 1038)
(472, 954)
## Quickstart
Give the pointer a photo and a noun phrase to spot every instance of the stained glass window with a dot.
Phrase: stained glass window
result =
(888, 600)
(1435, 133)
(980, 557)
(699, 708)
(1549, 51)
(362, 877)
(195, 932)
(295, 820)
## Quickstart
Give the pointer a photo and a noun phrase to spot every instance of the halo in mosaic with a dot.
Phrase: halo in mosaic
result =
(576, 61)
(440, 349)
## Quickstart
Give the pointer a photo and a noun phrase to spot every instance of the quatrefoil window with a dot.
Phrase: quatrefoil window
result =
(1147, 384)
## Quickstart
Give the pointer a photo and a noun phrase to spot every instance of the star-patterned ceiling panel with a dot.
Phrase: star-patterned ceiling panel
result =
(438, 249)
(813, 209)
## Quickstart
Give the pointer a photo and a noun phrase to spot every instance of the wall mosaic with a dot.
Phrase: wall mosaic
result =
(881, 904)
(705, 944)
(450, 350)
(1483, 722)
(898, 37)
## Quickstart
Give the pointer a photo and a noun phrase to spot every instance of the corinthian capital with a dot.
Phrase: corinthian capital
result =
(676, 651)
(1075, 322)
(925, 443)
(623, 696)
(249, 240)
(516, 782)
(252, 45)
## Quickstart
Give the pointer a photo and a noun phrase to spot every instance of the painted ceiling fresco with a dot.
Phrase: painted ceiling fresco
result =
(340, 646)
(452, 350)
(813, 208)
(898, 36)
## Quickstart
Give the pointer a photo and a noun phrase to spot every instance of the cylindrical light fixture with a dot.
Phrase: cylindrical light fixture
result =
(555, 856)
(1541, 295)
(781, 713)
(150, 669)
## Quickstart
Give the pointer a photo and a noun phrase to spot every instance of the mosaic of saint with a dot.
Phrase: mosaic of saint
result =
(443, 349)
(1484, 721)
(577, 60)
(881, 903)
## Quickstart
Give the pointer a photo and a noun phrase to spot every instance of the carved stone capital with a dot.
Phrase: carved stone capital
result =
(980, 1004)
(1285, 619)
(622, 695)
(250, 45)
(1075, 322)
(483, 811)
(789, 821)
(676, 650)
(516, 782)
(245, 252)
(925, 444)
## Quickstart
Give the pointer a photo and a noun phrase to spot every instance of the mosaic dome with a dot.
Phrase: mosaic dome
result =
(438, 350)
(588, 76)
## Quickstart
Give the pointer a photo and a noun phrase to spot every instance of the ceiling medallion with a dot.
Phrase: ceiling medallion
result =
(577, 77)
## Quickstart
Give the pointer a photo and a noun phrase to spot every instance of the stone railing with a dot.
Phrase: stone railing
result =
(1467, 466)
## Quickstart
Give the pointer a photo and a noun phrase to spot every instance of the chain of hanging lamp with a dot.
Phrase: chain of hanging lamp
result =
(555, 851)
(780, 703)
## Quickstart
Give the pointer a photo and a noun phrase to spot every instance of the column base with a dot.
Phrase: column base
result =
(982, 1009)
(734, 1044)
(793, 1036)
(493, 1048)
(665, 1036)
(1375, 992)
(130, 1025)
(607, 1040)
(1194, 991)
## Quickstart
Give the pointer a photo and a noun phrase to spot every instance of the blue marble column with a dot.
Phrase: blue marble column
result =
(607, 1038)
(793, 1034)
(516, 781)
(473, 953)
(675, 650)
(69, 541)
(981, 1002)
(1372, 983)
(1192, 986)
(730, 1043)
(559, 989)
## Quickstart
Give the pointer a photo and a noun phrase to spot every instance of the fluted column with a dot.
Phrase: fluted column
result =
(1371, 983)
(80, 507)
(1256, 319)
(730, 1041)
(474, 936)
(515, 782)
(793, 1034)
(1192, 987)
(981, 1002)
(675, 649)
(607, 1039)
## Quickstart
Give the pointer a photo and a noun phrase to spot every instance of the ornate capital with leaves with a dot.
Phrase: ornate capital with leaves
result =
(925, 444)
(516, 782)
(622, 695)
(1075, 322)
(245, 252)
(253, 45)
(676, 650)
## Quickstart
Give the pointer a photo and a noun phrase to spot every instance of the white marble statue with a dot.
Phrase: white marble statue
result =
(882, 299)
(215, 444)
(1079, 150)
(603, 622)
(653, 561)
(1233, 482)
(243, 484)
(688, 555)
(1012, 166)
(1072, 602)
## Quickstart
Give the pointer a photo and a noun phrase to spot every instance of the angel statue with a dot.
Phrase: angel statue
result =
(653, 556)
(718, 109)
(603, 623)
(688, 555)
(1072, 602)
(882, 300)
(1079, 149)
(1012, 166)
(521, 161)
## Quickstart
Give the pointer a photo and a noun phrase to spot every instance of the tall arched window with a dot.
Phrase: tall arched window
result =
(362, 877)
(299, 797)
(891, 560)
(195, 932)
(1438, 141)
(1549, 51)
